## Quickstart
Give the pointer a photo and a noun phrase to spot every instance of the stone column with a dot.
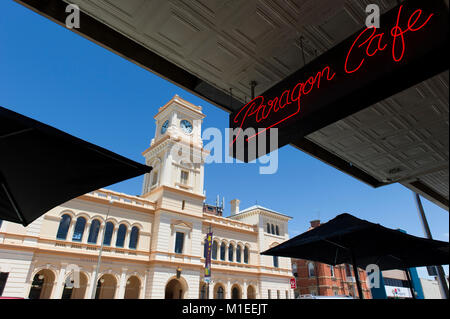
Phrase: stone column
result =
(244, 291)
(144, 286)
(101, 231)
(228, 292)
(122, 284)
(86, 232)
(211, 290)
(71, 229)
(114, 236)
(93, 283)
(57, 292)
(126, 238)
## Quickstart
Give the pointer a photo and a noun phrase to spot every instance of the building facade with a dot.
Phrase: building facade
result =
(318, 279)
(153, 245)
(431, 289)
(394, 284)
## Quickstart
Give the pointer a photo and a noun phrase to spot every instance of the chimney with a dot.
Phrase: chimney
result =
(234, 207)
(315, 223)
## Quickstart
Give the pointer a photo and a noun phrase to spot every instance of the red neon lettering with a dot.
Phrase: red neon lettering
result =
(287, 99)
(261, 111)
(371, 44)
(398, 45)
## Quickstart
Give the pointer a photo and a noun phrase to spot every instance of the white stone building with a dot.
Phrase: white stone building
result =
(152, 245)
(431, 289)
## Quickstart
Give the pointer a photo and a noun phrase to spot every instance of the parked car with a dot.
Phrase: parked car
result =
(323, 297)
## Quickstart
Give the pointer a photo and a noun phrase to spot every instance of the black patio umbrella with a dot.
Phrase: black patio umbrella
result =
(42, 167)
(350, 240)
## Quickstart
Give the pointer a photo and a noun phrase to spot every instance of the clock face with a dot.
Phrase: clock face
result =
(186, 126)
(164, 127)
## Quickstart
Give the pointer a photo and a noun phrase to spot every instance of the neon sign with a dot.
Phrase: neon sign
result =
(358, 64)
(261, 111)
(396, 33)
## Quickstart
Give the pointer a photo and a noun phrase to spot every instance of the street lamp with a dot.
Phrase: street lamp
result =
(100, 256)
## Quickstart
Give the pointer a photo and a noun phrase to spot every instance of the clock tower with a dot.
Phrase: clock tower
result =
(176, 152)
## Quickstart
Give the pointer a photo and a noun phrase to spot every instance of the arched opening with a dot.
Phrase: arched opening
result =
(231, 252)
(134, 236)
(121, 233)
(42, 285)
(238, 254)
(133, 287)
(175, 289)
(79, 229)
(214, 251)
(223, 249)
(109, 229)
(106, 287)
(246, 255)
(236, 292)
(251, 292)
(203, 291)
(93, 231)
(63, 228)
(74, 292)
(219, 292)
(311, 270)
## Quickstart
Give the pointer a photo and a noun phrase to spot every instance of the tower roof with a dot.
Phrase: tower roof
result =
(183, 103)
(255, 207)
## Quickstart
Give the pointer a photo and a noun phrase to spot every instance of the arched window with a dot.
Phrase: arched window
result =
(134, 236)
(275, 261)
(203, 294)
(154, 178)
(238, 254)
(205, 248)
(268, 228)
(331, 271)
(222, 251)
(294, 269)
(277, 230)
(220, 293)
(230, 252)
(235, 293)
(272, 228)
(79, 229)
(246, 255)
(214, 250)
(121, 232)
(63, 227)
(93, 231)
(109, 229)
(311, 271)
(348, 271)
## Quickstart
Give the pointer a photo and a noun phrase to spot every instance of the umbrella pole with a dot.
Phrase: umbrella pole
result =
(358, 283)
(441, 274)
(5, 188)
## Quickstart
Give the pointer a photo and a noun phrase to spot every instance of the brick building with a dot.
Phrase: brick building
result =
(320, 279)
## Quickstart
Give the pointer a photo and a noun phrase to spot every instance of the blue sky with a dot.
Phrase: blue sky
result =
(55, 76)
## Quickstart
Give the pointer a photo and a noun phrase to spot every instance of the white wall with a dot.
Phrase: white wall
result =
(17, 264)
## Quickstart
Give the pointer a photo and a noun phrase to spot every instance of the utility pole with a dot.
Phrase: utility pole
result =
(441, 274)
(94, 283)
(210, 251)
